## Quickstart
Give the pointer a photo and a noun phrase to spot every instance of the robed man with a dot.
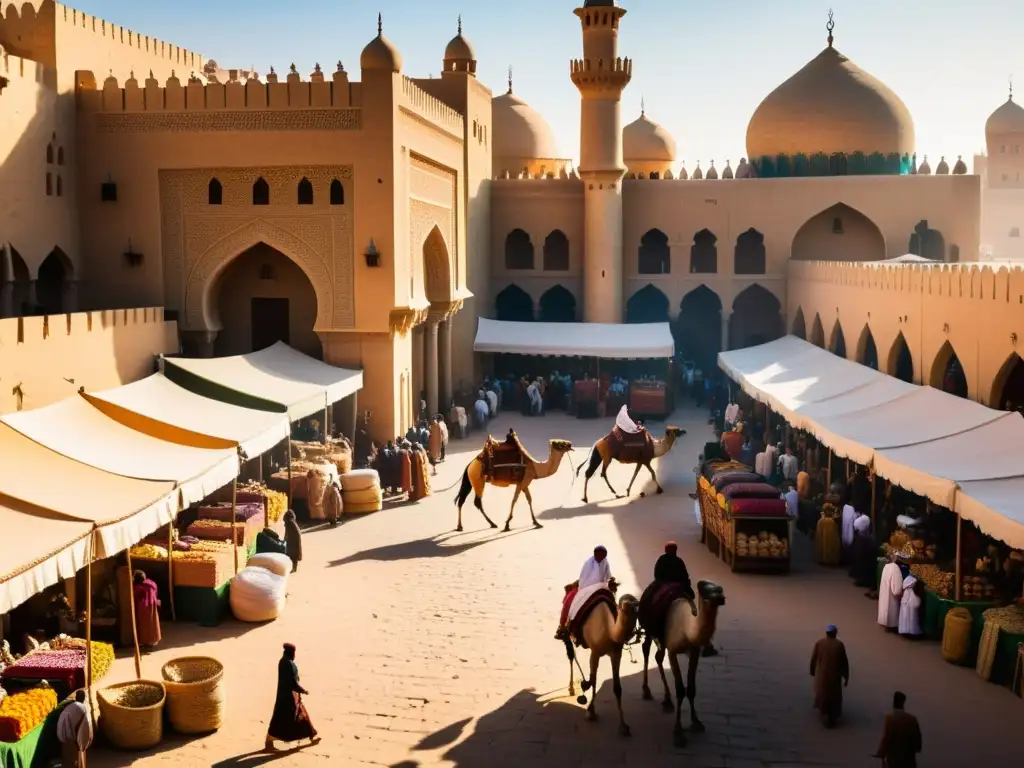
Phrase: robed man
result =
(901, 737)
(830, 669)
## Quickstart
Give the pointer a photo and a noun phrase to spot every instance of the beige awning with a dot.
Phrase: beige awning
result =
(38, 548)
(277, 375)
(77, 430)
(162, 409)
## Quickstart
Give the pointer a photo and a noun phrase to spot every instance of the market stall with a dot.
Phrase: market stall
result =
(646, 395)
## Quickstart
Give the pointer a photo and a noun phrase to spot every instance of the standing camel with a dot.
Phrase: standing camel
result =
(505, 464)
(684, 632)
(604, 452)
(605, 634)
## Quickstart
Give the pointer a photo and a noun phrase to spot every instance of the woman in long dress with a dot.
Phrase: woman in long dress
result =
(290, 721)
(910, 609)
(147, 610)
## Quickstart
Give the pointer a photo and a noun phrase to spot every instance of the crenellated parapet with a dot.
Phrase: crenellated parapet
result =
(598, 74)
(15, 70)
(421, 104)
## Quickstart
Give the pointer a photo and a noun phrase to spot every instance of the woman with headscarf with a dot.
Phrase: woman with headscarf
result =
(147, 610)
(290, 721)
(292, 539)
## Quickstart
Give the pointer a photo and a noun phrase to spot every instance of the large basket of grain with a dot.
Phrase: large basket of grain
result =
(132, 714)
(956, 635)
(195, 694)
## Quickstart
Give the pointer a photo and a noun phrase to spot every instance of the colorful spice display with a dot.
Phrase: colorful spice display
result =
(23, 712)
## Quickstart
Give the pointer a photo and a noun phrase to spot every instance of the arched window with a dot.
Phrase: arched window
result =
(60, 186)
(648, 305)
(337, 193)
(749, 258)
(704, 253)
(654, 256)
(556, 252)
(558, 305)
(49, 154)
(60, 155)
(514, 304)
(214, 193)
(261, 192)
(305, 192)
(518, 250)
(49, 184)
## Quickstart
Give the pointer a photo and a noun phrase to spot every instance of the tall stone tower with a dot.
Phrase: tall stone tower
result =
(601, 75)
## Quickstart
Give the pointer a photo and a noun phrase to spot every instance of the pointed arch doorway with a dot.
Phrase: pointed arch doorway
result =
(698, 330)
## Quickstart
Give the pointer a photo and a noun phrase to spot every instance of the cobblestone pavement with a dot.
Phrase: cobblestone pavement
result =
(423, 647)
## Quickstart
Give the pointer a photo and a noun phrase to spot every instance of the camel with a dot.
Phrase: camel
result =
(601, 456)
(529, 469)
(686, 633)
(605, 635)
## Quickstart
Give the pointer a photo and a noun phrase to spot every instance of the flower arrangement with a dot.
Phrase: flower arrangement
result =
(23, 712)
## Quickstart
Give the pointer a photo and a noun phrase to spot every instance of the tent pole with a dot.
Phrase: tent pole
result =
(355, 417)
(874, 485)
(234, 520)
(327, 429)
(170, 567)
(131, 607)
(259, 475)
(959, 527)
(828, 472)
(88, 624)
(289, 467)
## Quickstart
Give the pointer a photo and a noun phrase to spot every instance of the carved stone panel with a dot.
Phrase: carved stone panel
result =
(200, 239)
(219, 121)
(433, 203)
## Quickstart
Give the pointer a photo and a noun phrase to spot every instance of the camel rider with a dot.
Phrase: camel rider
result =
(625, 424)
(671, 569)
(596, 575)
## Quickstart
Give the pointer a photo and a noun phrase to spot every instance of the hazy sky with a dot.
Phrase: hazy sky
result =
(703, 67)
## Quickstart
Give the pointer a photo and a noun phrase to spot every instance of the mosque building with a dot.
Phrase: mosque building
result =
(370, 218)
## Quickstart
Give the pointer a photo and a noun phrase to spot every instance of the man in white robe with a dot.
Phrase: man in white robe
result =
(910, 610)
(890, 590)
(849, 518)
(624, 423)
(595, 576)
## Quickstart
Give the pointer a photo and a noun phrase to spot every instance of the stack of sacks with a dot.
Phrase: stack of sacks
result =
(257, 594)
(360, 492)
(316, 483)
(271, 561)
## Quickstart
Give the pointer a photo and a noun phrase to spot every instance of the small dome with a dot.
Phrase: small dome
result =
(459, 48)
(683, 175)
(960, 168)
(942, 169)
(644, 140)
(1009, 118)
(698, 174)
(727, 173)
(829, 106)
(712, 173)
(520, 133)
(379, 54)
(924, 169)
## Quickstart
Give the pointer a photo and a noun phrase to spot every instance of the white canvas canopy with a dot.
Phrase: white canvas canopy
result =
(38, 548)
(279, 375)
(956, 452)
(173, 413)
(611, 341)
(48, 502)
(76, 429)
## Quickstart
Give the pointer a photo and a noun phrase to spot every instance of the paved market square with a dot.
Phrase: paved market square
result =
(423, 647)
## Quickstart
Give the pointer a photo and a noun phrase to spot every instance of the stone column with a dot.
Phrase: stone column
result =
(446, 364)
(431, 366)
(725, 331)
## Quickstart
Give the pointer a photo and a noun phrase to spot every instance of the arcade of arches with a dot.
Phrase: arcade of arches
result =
(54, 291)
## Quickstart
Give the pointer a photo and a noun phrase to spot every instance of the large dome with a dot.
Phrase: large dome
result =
(520, 133)
(1009, 118)
(380, 54)
(829, 106)
(645, 140)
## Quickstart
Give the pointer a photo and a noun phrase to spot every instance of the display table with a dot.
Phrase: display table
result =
(648, 399)
(205, 605)
(37, 749)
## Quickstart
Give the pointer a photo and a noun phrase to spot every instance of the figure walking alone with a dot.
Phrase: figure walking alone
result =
(290, 721)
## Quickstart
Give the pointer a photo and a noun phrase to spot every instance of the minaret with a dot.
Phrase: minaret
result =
(601, 76)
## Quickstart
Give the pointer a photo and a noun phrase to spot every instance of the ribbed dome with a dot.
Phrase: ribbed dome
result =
(459, 48)
(379, 54)
(1009, 118)
(831, 105)
(645, 140)
(520, 133)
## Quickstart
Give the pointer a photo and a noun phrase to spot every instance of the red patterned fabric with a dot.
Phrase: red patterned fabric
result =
(759, 507)
(750, 491)
(654, 605)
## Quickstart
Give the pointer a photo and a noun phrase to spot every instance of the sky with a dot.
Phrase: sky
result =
(702, 68)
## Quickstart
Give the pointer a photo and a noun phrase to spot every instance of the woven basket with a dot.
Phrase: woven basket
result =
(195, 694)
(138, 727)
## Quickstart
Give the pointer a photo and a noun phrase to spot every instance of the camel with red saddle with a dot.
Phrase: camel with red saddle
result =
(604, 627)
(507, 464)
(639, 448)
(670, 621)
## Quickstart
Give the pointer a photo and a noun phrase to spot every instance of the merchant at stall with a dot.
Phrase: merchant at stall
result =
(890, 590)
(74, 731)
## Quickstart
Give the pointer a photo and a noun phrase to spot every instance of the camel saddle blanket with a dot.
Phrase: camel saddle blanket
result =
(504, 462)
(654, 605)
(631, 447)
(576, 625)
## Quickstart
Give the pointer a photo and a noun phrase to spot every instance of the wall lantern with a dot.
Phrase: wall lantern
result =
(372, 255)
(131, 257)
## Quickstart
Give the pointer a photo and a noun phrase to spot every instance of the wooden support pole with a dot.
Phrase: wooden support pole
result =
(289, 467)
(874, 486)
(327, 430)
(959, 528)
(259, 474)
(170, 568)
(828, 472)
(88, 625)
(131, 606)
(234, 520)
